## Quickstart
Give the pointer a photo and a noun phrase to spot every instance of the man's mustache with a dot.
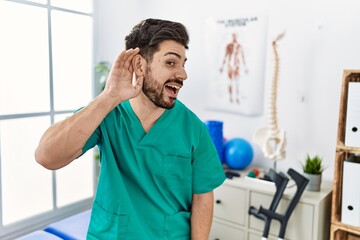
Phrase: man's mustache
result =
(175, 81)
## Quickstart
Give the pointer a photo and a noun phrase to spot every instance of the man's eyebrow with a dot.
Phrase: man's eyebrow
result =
(174, 53)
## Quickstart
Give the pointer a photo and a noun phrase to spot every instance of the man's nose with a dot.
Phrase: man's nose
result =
(181, 74)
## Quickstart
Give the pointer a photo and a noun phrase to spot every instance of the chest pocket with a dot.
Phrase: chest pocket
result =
(176, 174)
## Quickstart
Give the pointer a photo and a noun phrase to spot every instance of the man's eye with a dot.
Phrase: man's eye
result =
(171, 63)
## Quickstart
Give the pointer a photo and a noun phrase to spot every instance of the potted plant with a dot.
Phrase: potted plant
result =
(102, 70)
(313, 169)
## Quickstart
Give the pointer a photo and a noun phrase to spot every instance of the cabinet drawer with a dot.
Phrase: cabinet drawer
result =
(220, 231)
(300, 225)
(230, 204)
(258, 236)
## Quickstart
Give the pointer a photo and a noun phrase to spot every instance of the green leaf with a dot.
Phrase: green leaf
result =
(313, 165)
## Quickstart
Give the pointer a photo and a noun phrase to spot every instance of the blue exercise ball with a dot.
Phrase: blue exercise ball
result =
(238, 153)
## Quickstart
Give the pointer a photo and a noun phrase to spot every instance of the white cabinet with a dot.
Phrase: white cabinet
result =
(310, 219)
(230, 201)
(223, 231)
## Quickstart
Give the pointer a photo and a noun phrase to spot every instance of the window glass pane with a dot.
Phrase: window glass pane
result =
(24, 59)
(75, 181)
(26, 186)
(72, 59)
(78, 5)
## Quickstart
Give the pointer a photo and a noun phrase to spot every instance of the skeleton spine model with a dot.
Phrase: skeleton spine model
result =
(272, 139)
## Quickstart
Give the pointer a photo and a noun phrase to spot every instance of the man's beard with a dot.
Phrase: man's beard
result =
(155, 91)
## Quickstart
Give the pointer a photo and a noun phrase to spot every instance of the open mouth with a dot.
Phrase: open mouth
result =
(172, 89)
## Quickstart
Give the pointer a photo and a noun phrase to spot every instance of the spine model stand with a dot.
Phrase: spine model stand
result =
(271, 139)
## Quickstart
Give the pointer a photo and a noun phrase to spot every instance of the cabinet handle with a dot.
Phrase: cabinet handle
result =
(217, 202)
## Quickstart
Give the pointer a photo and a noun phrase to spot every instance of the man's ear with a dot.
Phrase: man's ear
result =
(139, 64)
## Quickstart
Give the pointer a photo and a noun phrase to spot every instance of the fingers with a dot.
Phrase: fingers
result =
(123, 60)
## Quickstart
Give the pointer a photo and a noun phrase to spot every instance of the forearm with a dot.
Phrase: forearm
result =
(201, 215)
(63, 141)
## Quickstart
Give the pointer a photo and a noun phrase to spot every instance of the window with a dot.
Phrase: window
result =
(46, 74)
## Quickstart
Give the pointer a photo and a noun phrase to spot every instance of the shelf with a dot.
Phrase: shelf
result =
(346, 227)
(339, 230)
(342, 148)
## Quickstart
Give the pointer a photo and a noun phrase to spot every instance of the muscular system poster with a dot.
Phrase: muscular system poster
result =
(236, 49)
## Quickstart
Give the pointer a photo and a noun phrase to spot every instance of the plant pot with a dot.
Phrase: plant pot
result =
(314, 182)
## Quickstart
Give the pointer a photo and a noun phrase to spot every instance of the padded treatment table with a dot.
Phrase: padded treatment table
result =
(72, 228)
(39, 235)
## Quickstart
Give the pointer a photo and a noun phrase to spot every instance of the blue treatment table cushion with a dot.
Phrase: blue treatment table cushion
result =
(39, 235)
(71, 228)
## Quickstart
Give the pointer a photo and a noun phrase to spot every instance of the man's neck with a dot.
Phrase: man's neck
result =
(146, 111)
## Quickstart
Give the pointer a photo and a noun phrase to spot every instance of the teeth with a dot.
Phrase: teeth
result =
(173, 86)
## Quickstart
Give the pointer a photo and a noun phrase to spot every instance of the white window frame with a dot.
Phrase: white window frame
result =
(27, 225)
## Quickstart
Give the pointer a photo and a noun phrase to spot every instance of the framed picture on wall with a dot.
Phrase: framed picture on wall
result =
(236, 58)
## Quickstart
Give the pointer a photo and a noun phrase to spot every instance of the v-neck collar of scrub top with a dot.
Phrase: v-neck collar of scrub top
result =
(160, 125)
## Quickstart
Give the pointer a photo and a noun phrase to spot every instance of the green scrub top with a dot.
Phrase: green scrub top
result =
(147, 180)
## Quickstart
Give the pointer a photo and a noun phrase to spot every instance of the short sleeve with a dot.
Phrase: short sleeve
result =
(208, 172)
(92, 141)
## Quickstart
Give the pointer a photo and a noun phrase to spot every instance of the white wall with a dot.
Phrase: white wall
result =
(322, 39)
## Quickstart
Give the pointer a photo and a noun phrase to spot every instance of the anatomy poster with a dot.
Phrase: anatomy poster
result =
(236, 61)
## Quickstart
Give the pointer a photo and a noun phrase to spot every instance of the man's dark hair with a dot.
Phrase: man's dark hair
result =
(149, 33)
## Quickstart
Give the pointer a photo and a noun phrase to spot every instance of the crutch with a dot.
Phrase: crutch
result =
(270, 214)
(280, 181)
